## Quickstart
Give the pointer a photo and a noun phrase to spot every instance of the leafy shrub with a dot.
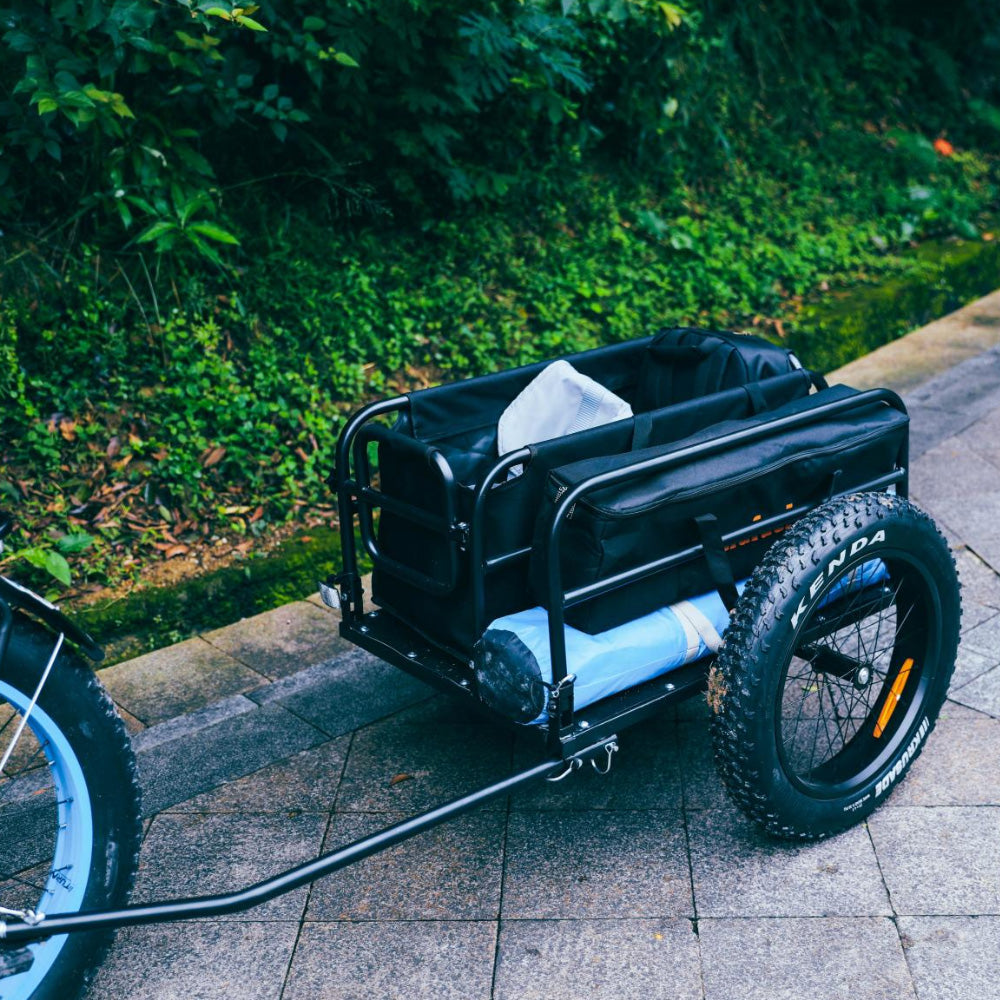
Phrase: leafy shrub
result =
(223, 226)
(137, 120)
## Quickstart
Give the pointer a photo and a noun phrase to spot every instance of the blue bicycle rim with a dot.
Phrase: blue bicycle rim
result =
(74, 845)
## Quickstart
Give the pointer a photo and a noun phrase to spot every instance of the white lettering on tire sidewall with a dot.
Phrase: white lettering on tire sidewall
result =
(829, 570)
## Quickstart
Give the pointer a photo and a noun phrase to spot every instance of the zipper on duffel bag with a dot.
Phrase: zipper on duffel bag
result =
(694, 492)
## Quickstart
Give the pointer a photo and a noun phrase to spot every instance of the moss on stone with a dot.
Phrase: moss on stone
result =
(849, 324)
(150, 618)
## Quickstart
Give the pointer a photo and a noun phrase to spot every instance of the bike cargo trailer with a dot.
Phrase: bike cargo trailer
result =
(568, 548)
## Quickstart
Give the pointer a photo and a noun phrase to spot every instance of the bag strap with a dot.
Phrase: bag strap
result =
(719, 568)
(758, 402)
(704, 377)
(656, 382)
(643, 429)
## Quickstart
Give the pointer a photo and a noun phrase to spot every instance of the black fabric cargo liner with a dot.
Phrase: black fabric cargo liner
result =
(620, 527)
(459, 420)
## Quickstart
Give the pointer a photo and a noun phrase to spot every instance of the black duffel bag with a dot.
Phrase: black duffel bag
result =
(687, 363)
(698, 503)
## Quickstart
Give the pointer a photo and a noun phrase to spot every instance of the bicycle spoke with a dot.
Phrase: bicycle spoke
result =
(837, 706)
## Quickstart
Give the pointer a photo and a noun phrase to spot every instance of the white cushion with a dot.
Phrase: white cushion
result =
(558, 401)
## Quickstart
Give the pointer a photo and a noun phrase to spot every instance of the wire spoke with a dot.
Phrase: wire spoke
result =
(835, 700)
(28, 806)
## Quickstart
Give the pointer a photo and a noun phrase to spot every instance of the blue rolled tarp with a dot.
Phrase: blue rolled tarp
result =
(513, 663)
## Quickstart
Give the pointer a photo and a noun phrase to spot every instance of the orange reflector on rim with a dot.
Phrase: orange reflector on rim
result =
(894, 695)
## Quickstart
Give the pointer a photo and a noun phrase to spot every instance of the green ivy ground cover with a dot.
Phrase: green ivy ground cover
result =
(223, 227)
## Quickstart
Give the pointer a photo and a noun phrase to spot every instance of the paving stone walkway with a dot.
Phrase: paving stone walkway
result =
(266, 742)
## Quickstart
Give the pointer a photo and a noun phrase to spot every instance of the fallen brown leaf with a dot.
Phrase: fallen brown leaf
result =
(213, 456)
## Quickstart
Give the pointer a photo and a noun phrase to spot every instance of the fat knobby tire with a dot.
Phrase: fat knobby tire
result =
(781, 611)
(86, 716)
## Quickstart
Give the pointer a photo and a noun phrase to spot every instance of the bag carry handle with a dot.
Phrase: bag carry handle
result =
(679, 353)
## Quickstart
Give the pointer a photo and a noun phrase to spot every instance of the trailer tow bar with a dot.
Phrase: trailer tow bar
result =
(18, 933)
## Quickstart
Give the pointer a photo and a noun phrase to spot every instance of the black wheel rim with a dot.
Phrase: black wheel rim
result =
(858, 674)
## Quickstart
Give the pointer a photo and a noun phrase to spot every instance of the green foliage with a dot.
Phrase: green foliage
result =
(182, 224)
(110, 108)
(216, 415)
(11, 375)
(50, 558)
(118, 108)
(224, 225)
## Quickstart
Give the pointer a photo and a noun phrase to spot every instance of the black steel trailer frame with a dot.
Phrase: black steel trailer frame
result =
(567, 731)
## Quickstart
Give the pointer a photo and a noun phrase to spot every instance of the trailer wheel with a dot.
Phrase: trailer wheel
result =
(836, 665)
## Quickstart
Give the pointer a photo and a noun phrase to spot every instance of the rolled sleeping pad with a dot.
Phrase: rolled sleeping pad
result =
(513, 665)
